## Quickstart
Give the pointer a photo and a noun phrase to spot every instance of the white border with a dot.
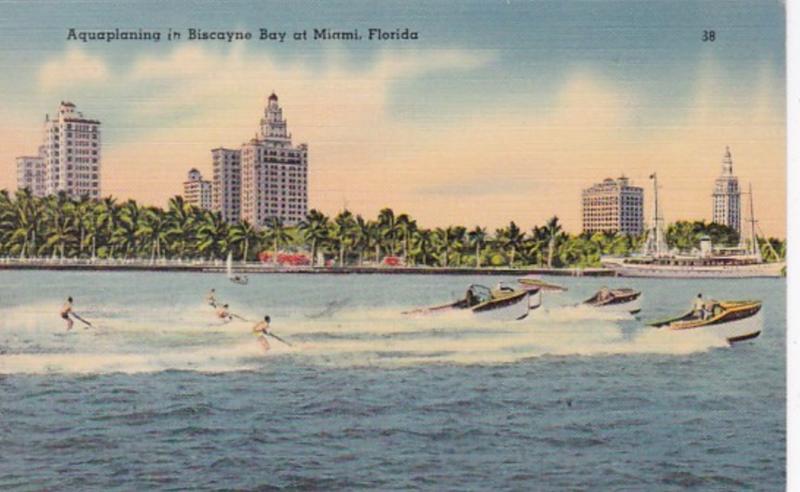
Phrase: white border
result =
(793, 239)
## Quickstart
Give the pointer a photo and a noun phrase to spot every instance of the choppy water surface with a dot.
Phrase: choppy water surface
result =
(160, 395)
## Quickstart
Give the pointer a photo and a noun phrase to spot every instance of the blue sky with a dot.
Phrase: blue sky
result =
(496, 70)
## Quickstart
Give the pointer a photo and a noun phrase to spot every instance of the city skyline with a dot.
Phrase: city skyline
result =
(418, 127)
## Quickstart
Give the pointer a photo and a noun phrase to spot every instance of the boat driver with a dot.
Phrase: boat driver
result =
(699, 307)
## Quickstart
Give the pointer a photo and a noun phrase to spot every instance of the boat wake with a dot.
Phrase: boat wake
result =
(134, 339)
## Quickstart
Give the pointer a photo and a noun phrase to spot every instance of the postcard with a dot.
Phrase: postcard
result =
(453, 245)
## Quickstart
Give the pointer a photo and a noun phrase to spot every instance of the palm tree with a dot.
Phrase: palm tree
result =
(425, 243)
(405, 226)
(315, 230)
(277, 234)
(109, 217)
(343, 233)
(182, 220)
(28, 212)
(127, 226)
(242, 234)
(361, 232)
(552, 229)
(153, 229)
(92, 224)
(477, 238)
(388, 228)
(511, 238)
(212, 234)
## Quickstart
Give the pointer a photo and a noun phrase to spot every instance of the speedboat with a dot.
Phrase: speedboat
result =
(502, 303)
(622, 300)
(735, 321)
(529, 283)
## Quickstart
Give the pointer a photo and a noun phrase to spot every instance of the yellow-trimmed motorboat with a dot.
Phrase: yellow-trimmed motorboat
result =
(501, 303)
(623, 300)
(735, 321)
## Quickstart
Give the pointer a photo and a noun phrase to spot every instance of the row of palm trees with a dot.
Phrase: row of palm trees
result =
(64, 227)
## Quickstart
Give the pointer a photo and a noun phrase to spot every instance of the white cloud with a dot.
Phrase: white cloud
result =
(73, 67)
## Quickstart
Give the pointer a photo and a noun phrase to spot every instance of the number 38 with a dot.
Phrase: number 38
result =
(709, 36)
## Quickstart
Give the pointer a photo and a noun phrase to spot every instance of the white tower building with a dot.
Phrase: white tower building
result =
(70, 155)
(267, 177)
(274, 173)
(727, 197)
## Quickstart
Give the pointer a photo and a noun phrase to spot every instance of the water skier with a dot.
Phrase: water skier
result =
(223, 313)
(66, 310)
(262, 328)
(211, 298)
(67, 314)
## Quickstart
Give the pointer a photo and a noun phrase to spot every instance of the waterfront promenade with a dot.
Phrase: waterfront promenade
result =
(218, 266)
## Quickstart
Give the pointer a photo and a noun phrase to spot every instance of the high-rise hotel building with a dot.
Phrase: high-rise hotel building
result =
(197, 191)
(70, 156)
(226, 185)
(266, 177)
(613, 206)
(727, 197)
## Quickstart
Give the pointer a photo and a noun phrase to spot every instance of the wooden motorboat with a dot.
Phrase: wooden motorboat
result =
(622, 300)
(735, 321)
(500, 303)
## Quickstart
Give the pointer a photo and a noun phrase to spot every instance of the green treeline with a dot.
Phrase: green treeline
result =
(63, 227)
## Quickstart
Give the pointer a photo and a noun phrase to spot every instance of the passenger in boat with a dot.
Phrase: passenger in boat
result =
(604, 295)
(472, 299)
(66, 310)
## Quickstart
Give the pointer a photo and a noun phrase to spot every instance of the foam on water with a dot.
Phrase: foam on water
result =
(133, 339)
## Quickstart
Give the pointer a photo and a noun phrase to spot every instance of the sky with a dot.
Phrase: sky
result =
(500, 110)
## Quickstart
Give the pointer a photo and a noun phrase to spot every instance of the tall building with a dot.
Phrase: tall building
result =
(70, 153)
(31, 174)
(196, 190)
(226, 188)
(613, 206)
(272, 171)
(727, 197)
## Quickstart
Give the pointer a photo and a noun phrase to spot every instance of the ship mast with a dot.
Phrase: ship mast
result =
(655, 242)
(755, 250)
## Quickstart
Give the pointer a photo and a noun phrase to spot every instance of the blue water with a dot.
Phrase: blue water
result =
(159, 395)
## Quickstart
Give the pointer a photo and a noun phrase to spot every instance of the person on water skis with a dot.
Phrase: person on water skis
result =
(223, 313)
(262, 328)
(66, 310)
(211, 298)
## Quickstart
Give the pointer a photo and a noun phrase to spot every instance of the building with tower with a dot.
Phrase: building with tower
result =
(70, 156)
(197, 191)
(268, 175)
(613, 206)
(727, 197)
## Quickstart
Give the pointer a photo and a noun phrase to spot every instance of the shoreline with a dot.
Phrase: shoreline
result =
(256, 268)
